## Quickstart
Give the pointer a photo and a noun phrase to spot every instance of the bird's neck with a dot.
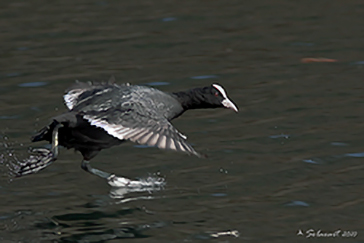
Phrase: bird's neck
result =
(192, 99)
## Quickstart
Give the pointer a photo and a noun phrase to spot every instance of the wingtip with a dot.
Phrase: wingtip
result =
(201, 156)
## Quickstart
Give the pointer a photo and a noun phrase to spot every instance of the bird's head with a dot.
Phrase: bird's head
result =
(217, 96)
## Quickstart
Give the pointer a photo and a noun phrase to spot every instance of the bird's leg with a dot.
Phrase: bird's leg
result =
(55, 141)
(116, 181)
(111, 178)
(41, 157)
(87, 167)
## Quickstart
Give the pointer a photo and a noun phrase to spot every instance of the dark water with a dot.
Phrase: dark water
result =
(292, 159)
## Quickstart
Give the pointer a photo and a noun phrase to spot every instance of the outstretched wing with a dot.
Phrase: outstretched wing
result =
(159, 133)
(132, 113)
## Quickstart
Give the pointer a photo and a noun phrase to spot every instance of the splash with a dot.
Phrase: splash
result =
(123, 186)
(142, 183)
(9, 160)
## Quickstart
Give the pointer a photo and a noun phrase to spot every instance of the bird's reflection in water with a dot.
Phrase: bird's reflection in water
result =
(96, 226)
(105, 218)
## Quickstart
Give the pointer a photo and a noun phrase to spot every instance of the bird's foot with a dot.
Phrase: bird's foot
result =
(38, 160)
(115, 181)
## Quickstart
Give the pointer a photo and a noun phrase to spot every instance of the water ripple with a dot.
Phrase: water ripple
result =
(297, 204)
(204, 77)
(286, 136)
(312, 161)
(339, 144)
(169, 19)
(15, 74)
(358, 63)
(355, 155)
(32, 84)
(158, 83)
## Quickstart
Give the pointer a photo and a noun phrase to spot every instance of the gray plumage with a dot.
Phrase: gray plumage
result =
(137, 113)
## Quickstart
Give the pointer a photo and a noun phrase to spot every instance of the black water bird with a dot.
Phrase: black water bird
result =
(102, 115)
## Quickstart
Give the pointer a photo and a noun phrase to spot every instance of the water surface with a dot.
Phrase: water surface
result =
(291, 158)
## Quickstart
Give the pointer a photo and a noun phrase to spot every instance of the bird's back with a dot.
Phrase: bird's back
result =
(101, 98)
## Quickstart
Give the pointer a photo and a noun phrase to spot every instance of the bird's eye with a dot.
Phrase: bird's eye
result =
(216, 94)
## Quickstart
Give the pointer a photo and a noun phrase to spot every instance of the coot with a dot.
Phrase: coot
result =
(102, 115)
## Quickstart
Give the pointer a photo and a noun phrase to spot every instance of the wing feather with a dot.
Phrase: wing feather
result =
(165, 137)
(136, 113)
